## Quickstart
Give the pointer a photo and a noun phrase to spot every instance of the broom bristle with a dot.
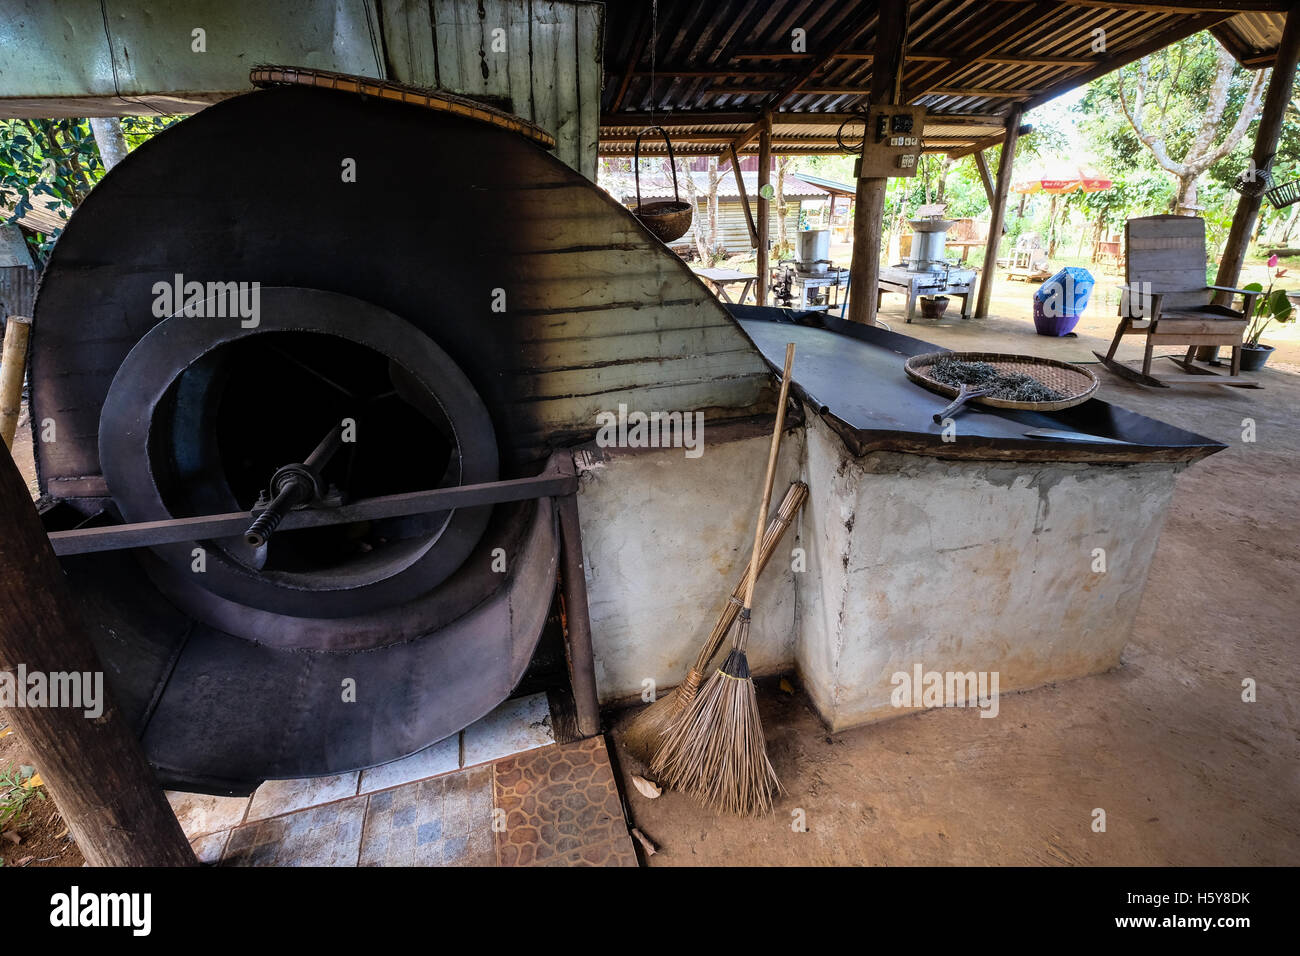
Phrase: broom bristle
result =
(642, 735)
(716, 751)
(645, 731)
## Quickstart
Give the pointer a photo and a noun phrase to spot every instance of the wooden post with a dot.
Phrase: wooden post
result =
(13, 366)
(93, 766)
(764, 207)
(998, 213)
(744, 199)
(868, 220)
(577, 615)
(982, 164)
(864, 270)
(1281, 86)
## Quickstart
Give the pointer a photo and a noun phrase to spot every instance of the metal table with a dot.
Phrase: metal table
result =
(916, 285)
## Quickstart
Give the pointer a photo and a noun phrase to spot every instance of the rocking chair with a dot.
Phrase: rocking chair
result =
(1166, 299)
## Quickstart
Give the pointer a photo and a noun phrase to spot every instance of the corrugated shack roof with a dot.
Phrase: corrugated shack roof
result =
(47, 214)
(712, 70)
(659, 185)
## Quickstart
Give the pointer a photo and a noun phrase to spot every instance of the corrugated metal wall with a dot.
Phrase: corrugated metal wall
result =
(735, 231)
(546, 61)
(84, 58)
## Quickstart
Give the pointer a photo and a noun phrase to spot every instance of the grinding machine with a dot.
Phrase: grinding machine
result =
(307, 367)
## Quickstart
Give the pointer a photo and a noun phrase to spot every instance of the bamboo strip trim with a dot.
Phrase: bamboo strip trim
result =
(265, 76)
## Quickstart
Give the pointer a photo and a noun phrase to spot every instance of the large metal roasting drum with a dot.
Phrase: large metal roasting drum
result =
(444, 353)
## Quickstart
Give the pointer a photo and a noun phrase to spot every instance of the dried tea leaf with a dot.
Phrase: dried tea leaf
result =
(786, 686)
(649, 789)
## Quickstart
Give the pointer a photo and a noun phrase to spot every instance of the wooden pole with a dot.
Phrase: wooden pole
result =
(764, 207)
(1281, 86)
(13, 366)
(868, 220)
(998, 213)
(744, 200)
(982, 164)
(93, 766)
(577, 617)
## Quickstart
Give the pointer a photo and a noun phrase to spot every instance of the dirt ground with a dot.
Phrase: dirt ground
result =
(1187, 773)
(39, 837)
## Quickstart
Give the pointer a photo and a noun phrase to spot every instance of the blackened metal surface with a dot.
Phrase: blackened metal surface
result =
(235, 713)
(128, 428)
(853, 374)
(550, 297)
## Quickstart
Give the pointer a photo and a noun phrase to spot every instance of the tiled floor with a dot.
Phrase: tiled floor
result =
(517, 725)
(560, 806)
(554, 805)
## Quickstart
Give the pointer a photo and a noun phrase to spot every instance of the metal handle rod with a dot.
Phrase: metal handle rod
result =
(964, 396)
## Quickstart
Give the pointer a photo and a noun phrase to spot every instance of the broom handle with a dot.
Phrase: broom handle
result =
(771, 476)
(794, 499)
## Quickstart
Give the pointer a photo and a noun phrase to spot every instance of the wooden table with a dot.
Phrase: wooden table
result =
(719, 279)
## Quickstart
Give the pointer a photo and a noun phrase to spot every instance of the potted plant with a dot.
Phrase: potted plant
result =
(1273, 305)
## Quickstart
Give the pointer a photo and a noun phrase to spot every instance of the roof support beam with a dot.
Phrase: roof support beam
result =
(1188, 6)
(1281, 85)
(989, 141)
(724, 117)
(982, 164)
(764, 207)
(744, 201)
(819, 61)
(886, 88)
(998, 215)
(1185, 28)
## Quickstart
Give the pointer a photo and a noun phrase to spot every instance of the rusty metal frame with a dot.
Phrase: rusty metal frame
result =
(557, 481)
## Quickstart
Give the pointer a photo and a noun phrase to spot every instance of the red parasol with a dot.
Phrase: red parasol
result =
(1064, 179)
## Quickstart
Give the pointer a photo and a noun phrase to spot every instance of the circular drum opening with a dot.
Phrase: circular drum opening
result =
(264, 401)
(203, 412)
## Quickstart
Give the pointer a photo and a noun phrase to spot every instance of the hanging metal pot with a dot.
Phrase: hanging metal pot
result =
(668, 220)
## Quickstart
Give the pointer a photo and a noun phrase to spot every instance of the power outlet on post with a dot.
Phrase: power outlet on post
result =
(895, 148)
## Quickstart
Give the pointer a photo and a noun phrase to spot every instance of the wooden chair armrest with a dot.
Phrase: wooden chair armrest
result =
(1233, 289)
(1155, 299)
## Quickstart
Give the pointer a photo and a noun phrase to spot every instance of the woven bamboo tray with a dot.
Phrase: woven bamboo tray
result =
(1073, 381)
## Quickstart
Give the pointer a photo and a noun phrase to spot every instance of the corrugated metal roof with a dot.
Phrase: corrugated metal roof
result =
(711, 70)
(46, 215)
(659, 185)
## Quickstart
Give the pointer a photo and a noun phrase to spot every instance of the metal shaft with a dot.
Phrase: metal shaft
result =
(293, 485)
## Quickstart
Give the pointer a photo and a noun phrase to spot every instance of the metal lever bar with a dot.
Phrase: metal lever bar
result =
(558, 479)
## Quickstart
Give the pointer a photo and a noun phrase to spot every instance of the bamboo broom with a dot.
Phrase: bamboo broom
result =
(716, 751)
(644, 732)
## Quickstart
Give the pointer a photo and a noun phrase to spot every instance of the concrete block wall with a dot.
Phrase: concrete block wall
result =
(665, 538)
(966, 566)
(953, 565)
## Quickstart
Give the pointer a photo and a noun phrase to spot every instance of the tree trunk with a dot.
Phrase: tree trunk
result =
(945, 166)
(1051, 227)
(109, 139)
(1185, 197)
(782, 239)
